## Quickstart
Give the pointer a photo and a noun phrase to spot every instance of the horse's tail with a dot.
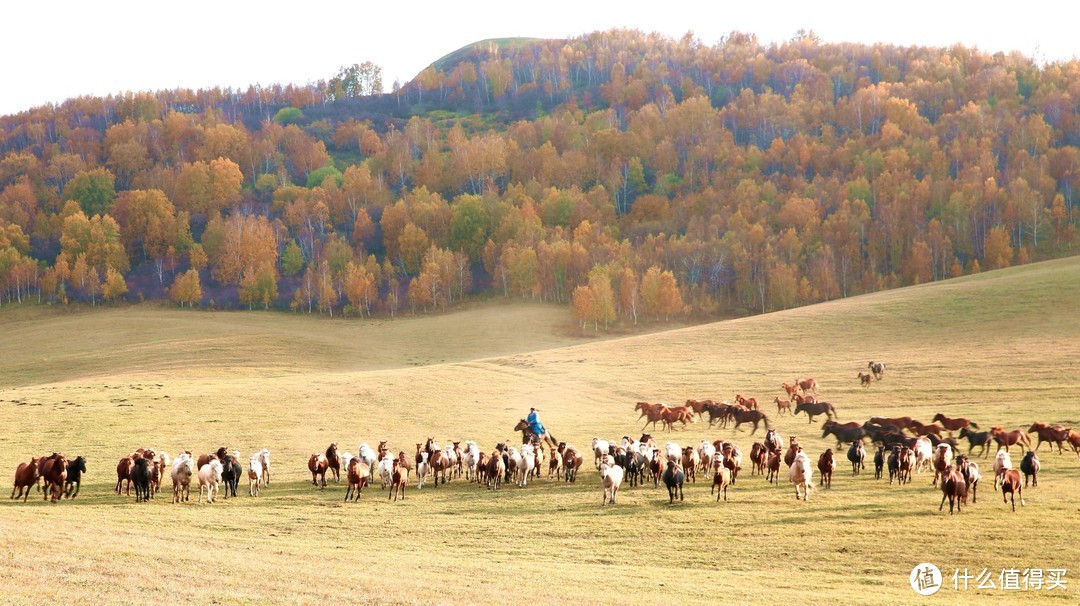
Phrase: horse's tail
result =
(551, 438)
(768, 426)
(973, 424)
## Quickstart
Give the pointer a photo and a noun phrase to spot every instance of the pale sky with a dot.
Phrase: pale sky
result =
(51, 51)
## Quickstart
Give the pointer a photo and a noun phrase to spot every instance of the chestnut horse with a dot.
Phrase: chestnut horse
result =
(1054, 434)
(807, 385)
(679, 413)
(1010, 438)
(650, 411)
(747, 403)
(952, 425)
(437, 459)
(26, 475)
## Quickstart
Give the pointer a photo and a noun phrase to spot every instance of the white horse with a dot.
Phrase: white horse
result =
(801, 474)
(1002, 462)
(422, 469)
(182, 470)
(264, 458)
(611, 477)
(209, 477)
(600, 448)
(527, 464)
(255, 474)
(471, 459)
(369, 456)
(386, 470)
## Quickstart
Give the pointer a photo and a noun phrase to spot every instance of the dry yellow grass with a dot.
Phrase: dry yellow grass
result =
(1000, 347)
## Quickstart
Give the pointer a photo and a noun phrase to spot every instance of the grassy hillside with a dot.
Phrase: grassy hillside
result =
(1000, 347)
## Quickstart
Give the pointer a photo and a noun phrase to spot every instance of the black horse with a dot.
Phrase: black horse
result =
(857, 455)
(141, 474)
(75, 468)
(813, 409)
(673, 478)
(231, 470)
(977, 438)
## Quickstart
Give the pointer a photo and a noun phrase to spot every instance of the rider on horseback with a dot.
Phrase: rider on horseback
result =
(538, 427)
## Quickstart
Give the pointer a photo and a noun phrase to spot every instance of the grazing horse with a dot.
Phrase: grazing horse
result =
(953, 487)
(1054, 434)
(826, 463)
(317, 465)
(673, 478)
(857, 455)
(807, 385)
(782, 406)
(1010, 487)
(953, 424)
(749, 416)
(1030, 466)
(75, 468)
(864, 379)
(971, 474)
(1010, 438)
(878, 368)
(844, 432)
(977, 438)
(816, 408)
(333, 461)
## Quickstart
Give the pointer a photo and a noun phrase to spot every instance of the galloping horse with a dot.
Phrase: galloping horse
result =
(815, 409)
(1009, 438)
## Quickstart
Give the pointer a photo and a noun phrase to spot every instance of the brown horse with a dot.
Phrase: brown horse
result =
(807, 385)
(815, 409)
(333, 461)
(437, 459)
(123, 474)
(793, 449)
(826, 463)
(924, 430)
(26, 475)
(844, 432)
(782, 406)
(317, 465)
(1054, 434)
(1010, 438)
(953, 487)
(747, 403)
(899, 422)
(698, 406)
(955, 424)
(864, 379)
(53, 475)
(803, 399)
(650, 411)
(683, 414)
(790, 388)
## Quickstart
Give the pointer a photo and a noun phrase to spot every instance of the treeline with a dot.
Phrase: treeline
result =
(619, 172)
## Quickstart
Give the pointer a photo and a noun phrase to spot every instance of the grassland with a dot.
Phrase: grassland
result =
(1000, 347)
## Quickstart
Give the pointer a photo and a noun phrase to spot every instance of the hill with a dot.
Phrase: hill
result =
(999, 347)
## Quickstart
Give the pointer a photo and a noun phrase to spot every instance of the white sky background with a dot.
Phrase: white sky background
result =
(52, 51)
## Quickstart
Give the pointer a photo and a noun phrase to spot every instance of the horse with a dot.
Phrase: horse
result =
(953, 424)
(773, 475)
(977, 438)
(333, 461)
(792, 451)
(650, 412)
(773, 443)
(1010, 438)
(790, 388)
(75, 468)
(611, 477)
(747, 403)
(864, 379)
(826, 463)
(26, 475)
(1030, 466)
(721, 481)
(1010, 487)
(53, 476)
(496, 469)
(801, 475)
(182, 470)
(816, 408)
(844, 432)
(878, 368)
(759, 455)
(231, 470)
(749, 416)
(953, 487)
(1054, 434)
(527, 433)
(438, 460)
(698, 406)
(317, 465)
(673, 478)
(807, 385)
(857, 455)
(358, 475)
(718, 412)
(971, 474)
(140, 476)
(399, 478)
(879, 462)
(782, 406)
(683, 414)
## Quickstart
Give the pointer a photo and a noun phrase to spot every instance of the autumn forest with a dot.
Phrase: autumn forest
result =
(623, 174)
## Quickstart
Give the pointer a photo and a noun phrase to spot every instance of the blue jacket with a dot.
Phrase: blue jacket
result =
(535, 424)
